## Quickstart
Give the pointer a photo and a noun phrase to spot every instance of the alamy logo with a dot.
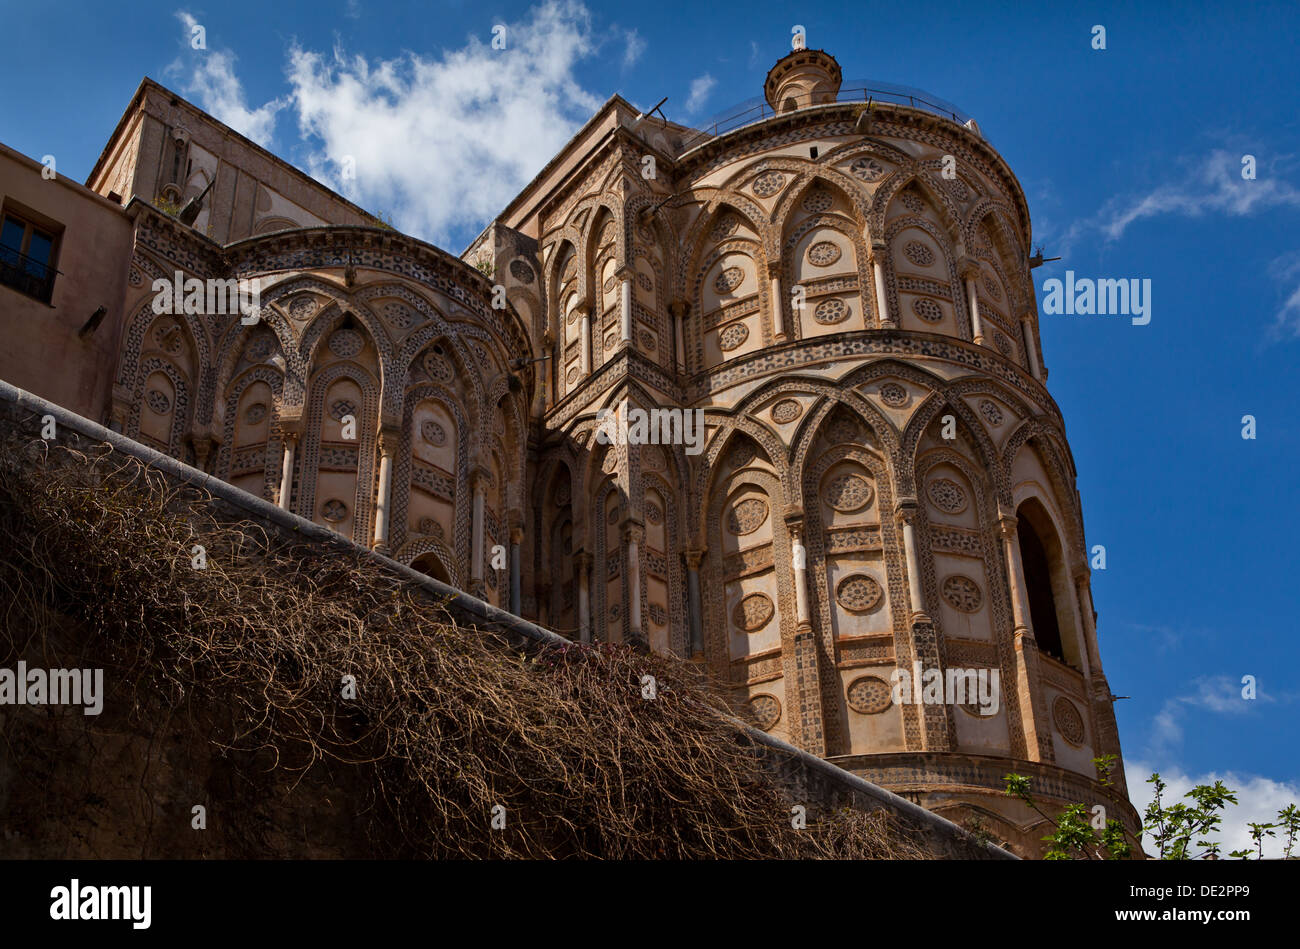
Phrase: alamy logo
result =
(212, 297)
(952, 686)
(103, 902)
(1084, 297)
(53, 687)
(636, 426)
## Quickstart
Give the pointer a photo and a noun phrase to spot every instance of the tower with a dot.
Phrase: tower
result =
(839, 282)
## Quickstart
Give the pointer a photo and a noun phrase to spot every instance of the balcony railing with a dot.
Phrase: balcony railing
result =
(863, 90)
(26, 275)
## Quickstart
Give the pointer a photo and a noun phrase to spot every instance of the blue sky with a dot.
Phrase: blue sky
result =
(1130, 159)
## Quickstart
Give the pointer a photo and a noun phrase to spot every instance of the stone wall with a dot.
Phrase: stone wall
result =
(810, 781)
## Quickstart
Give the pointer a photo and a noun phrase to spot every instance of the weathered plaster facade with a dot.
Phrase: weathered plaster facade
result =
(885, 479)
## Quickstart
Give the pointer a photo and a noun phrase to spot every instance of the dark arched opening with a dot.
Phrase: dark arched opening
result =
(1038, 583)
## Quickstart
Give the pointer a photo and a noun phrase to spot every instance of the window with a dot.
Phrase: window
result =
(27, 257)
(1038, 578)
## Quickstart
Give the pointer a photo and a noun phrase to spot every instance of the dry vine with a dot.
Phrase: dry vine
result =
(447, 721)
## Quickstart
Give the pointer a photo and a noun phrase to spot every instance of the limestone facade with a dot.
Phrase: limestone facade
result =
(842, 288)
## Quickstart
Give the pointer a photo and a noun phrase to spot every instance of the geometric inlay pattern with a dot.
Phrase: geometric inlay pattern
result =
(432, 432)
(962, 593)
(893, 395)
(753, 612)
(848, 492)
(927, 309)
(823, 254)
(345, 343)
(858, 593)
(787, 410)
(918, 253)
(334, 510)
(768, 183)
(341, 408)
(764, 711)
(869, 695)
(729, 279)
(817, 201)
(747, 516)
(1068, 720)
(733, 337)
(158, 401)
(947, 495)
(868, 169)
(992, 414)
(831, 311)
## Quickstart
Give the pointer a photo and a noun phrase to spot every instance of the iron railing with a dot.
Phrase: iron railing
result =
(26, 275)
(865, 90)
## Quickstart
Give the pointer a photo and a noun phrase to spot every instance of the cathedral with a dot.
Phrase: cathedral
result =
(836, 284)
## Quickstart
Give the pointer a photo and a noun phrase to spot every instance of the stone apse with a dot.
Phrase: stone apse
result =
(843, 288)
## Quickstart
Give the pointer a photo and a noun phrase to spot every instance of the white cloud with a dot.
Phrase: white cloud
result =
(1212, 185)
(427, 134)
(213, 85)
(1258, 801)
(700, 89)
(1218, 694)
(634, 48)
(1286, 270)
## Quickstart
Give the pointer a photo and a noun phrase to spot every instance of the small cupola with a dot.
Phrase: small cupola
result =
(802, 78)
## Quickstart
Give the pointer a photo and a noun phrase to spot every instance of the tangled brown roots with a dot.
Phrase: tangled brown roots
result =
(447, 723)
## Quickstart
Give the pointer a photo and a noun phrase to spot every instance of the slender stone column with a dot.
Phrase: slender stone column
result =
(1015, 574)
(633, 534)
(679, 310)
(1083, 590)
(778, 303)
(905, 511)
(384, 496)
(625, 305)
(1031, 347)
(799, 561)
(286, 470)
(516, 562)
(973, 300)
(1038, 739)
(694, 606)
(585, 348)
(878, 256)
(584, 596)
(478, 480)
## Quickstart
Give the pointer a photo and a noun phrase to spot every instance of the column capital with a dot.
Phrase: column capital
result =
(1007, 524)
(773, 269)
(583, 559)
(626, 271)
(906, 509)
(390, 436)
(968, 269)
(694, 557)
(516, 535)
(633, 531)
(878, 251)
(679, 308)
(479, 476)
